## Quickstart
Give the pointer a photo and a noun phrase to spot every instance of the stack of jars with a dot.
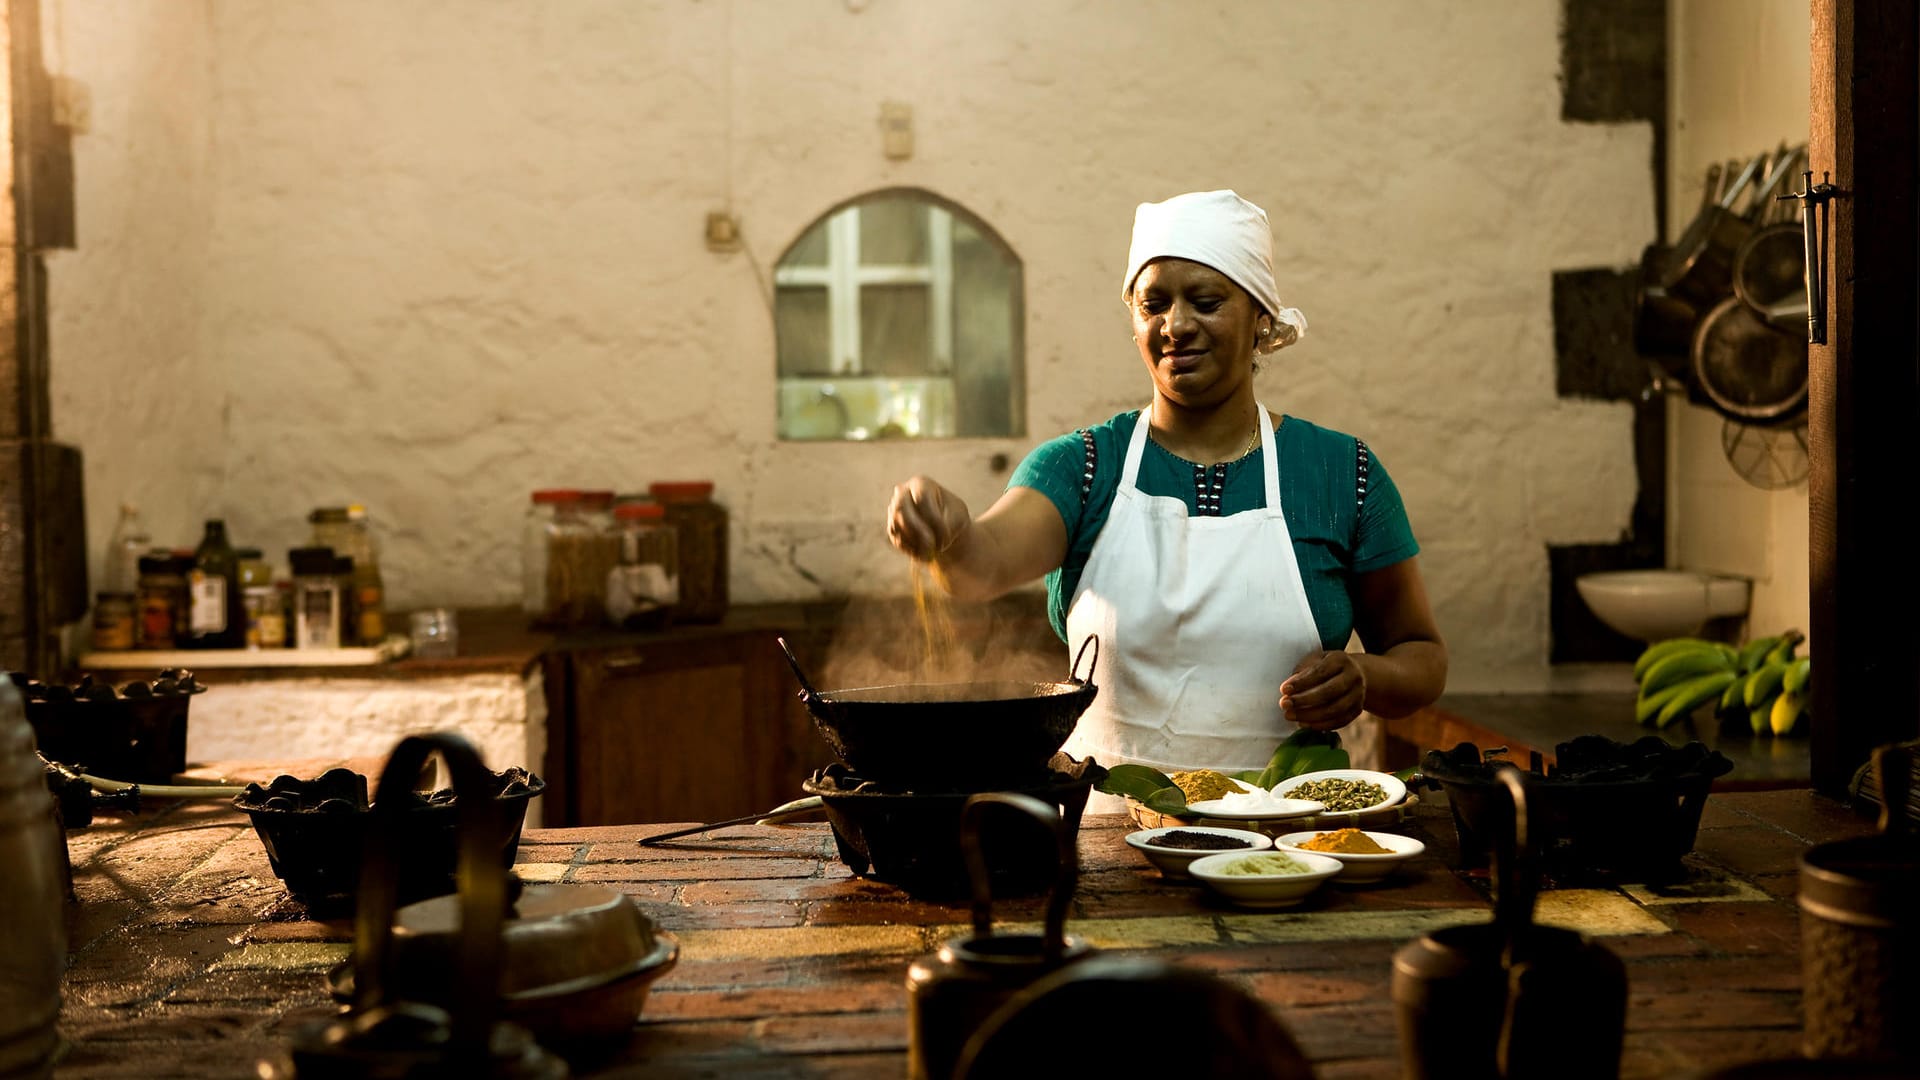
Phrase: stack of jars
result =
(218, 596)
(638, 562)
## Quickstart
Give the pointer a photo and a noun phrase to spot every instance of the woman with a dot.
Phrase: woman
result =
(1222, 560)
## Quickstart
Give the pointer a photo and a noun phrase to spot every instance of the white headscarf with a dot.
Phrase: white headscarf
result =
(1221, 230)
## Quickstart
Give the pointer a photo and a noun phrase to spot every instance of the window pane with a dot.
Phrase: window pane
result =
(893, 232)
(811, 250)
(893, 329)
(801, 330)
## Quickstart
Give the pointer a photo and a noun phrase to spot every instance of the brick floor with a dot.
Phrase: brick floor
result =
(188, 958)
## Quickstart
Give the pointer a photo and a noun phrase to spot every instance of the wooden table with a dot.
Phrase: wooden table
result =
(188, 959)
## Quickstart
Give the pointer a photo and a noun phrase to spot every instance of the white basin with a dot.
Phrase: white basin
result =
(1653, 605)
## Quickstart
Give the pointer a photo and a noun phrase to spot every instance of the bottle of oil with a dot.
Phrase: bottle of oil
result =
(217, 612)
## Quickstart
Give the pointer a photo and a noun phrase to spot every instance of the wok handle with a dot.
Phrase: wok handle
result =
(1065, 880)
(1074, 672)
(806, 687)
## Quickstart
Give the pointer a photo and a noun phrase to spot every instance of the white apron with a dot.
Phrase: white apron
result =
(1200, 620)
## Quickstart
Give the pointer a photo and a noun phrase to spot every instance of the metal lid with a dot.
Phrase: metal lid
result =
(1867, 881)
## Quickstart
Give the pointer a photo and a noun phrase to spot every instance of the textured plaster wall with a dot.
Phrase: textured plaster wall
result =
(455, 253)
(1740, 85)
(133, 385)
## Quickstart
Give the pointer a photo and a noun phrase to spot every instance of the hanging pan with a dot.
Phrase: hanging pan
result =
(1770, 267)
(1700, 265)
(1663, 323)
(1749, 369)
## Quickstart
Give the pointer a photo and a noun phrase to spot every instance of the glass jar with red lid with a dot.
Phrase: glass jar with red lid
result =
(700, 525)
(643, 589)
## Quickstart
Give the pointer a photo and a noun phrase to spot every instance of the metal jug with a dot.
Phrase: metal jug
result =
(33, 950)
(382, 1036)
(952, 992)
(1859, 943)
(1509, 998)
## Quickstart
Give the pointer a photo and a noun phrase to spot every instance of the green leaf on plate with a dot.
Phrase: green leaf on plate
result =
(1304, 751)
(1168, 800)
(1137, 781)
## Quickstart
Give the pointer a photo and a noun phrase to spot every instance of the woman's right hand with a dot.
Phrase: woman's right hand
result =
(925, 519)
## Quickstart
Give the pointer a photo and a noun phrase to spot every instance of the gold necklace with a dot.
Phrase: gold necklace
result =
(1253, 437)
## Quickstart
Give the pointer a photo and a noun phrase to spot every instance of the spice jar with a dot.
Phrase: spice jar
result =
(644, 587)
(701, 528)
(566, 558)
(266, 621)
(114, 619)
(162, 598)
(319, 603)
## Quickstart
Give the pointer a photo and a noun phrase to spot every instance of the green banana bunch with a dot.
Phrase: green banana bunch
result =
(1767, 665)
(1679, 675)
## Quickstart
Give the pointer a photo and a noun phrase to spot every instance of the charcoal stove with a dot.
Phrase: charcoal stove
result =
(912, 839)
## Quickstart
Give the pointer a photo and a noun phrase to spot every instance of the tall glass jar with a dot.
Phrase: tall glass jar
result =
(161, 597)
(644, 588)
(701, 528)
(544, 512)
(573, 550)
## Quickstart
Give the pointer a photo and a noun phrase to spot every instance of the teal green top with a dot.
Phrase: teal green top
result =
(1341, 508)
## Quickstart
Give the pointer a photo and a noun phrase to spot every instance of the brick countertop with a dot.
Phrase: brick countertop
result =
(188, 958)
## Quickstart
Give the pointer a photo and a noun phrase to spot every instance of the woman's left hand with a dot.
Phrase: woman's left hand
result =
(1325, 692)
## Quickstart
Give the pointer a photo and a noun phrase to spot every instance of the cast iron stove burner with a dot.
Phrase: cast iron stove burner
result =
(912, 839)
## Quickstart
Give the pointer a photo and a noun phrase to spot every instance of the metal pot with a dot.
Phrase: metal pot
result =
(1749, 368)
(384, 1033)
(578, 960)
(953, 991)
(970, 736)
(1860, 936)
(1510, 998)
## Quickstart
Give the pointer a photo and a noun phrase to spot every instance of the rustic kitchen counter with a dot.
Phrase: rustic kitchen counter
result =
(189, 960)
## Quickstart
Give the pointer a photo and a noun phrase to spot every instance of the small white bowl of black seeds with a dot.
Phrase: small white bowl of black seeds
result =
(1173, 847)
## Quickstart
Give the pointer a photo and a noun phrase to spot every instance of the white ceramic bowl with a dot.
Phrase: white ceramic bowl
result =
(1395, 788)
(1357, 869)
(1173, 861)
(1264, 890)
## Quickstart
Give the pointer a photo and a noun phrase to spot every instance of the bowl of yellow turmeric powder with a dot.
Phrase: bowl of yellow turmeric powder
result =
(1365, 857)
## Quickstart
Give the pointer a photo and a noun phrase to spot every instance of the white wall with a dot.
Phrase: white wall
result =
(455, 253)
(132, 382)
(1738, 85)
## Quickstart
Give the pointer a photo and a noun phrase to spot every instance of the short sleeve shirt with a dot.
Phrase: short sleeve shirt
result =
(1341, 508)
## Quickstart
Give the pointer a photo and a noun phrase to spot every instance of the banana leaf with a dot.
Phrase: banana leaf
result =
(1137, 781)
(1304, 751)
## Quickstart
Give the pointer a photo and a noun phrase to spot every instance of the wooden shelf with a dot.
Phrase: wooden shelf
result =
(395, 647)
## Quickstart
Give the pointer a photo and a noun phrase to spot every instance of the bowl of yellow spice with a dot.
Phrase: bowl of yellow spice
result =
(1364, 856)
(1264, 879)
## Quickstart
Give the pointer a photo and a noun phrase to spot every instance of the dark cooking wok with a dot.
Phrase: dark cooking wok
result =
(966, 736)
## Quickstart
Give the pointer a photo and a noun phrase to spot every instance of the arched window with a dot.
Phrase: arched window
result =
(898, 315)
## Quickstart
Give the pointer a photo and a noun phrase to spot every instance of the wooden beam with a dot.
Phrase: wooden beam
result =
(1864, 392)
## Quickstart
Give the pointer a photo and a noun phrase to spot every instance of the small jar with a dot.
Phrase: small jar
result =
(319, 608)
(644, 588)
(266, 618)
(114, 619)
(701, 526)
(161, 598)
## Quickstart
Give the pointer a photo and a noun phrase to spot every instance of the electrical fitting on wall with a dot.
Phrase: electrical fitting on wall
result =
(723, 231)
(896, 130)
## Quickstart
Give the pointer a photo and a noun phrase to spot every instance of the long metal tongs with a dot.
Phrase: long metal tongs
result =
(772, 817)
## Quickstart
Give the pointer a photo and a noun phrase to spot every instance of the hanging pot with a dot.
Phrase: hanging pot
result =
(1699, 268)
(1769, 269)
(1662, 322)
(1749, 369)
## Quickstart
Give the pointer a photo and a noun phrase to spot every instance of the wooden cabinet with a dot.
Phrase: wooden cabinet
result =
(675, 728)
